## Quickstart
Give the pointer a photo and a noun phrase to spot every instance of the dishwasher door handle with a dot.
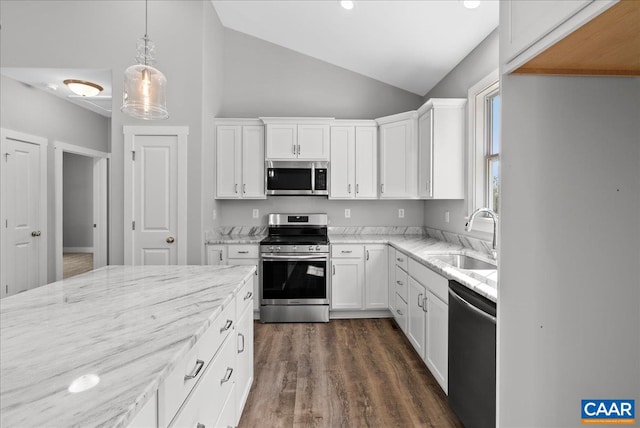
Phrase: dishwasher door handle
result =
(470, 306)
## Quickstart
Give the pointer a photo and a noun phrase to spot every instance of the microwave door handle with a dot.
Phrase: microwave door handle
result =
(313, 178)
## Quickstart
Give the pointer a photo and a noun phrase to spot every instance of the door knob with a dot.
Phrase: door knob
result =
(35, 233)
(170, 240)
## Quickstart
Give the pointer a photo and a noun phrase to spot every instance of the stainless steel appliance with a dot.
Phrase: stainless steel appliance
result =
(472, 357)
(294, 269)
(290, 178)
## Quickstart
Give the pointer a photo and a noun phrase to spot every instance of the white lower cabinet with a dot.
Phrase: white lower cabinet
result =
(416, 323)
(400, 313)
(437, 341)
(216, 255)
(359, 277)
(238, 254)
(244, 362)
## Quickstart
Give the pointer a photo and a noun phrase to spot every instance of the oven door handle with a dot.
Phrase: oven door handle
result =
(293, 258)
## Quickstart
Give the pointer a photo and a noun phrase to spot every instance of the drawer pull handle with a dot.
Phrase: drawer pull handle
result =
(424, 304)
(227, 326)
(243, 252)
(399, 283)
(200, 425)
(227, 376)
(347, 251)
(248, 296)
(399, 313)
(240, 351)
(196, 370)
(420, 300)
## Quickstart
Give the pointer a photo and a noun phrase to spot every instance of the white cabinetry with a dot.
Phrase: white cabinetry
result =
(244, 357)
(216, 255)
(238, 254)
(441, 149)
(400, 285)
(531, 26)
(416, 322)
(297, 138)
(239, 159)
(398, 156)
(354, 154)
(359, 277)
(437, 340)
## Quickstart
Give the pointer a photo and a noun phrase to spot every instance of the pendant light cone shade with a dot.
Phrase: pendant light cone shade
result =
(145, 93)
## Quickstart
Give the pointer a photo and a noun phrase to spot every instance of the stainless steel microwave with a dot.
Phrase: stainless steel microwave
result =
(291, 178)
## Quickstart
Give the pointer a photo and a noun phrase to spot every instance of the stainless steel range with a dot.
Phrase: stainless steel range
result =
(294, 267)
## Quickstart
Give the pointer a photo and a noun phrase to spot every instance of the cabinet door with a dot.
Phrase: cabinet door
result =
(416, 316)
(256, 279)
(366, 162)
(425, 149)
(391, 277)
(253, 162)
(313, 142)
(376, 277)
(216, 255)
(282, 141)
(437, 342)
(397, 160)
(342, 161)
(244, 361)
(228, 161)
(347, 284)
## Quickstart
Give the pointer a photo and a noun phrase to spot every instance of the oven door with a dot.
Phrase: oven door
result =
(294, 279)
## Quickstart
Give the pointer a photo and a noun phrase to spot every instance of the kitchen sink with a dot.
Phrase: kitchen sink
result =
(462, 261)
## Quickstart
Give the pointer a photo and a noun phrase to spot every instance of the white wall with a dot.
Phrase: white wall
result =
(103, 34)
(475, 66)
(77, 201)
(569, 296)
(264, 79)
(30, 110)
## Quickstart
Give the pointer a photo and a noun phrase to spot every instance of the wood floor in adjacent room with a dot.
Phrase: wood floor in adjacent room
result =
(347, 373)
(76, 263)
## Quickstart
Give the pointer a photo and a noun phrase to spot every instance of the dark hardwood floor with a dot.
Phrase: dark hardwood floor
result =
(347, 373)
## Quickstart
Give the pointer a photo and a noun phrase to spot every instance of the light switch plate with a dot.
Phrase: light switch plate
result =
(215, 214)
(347, 213)
(446, 216)
(401, 213)
(256, 213)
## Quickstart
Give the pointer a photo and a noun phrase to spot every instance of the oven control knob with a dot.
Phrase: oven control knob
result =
(271, 248)
(278, 249)
(310, 247)
(317, 247)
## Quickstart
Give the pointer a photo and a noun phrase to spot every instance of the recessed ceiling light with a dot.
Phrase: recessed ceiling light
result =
(83, 88)
(347, 4)
(471, 4)
(84, 383)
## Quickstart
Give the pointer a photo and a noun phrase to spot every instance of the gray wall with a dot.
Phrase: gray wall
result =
(363, 213)
(263, 79)
(569, 296)
(32, 111)
(67, 34)
(478, 64)
(77, 200)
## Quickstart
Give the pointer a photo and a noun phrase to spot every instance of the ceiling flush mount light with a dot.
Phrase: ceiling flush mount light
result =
(471, 4)
(145, 87)
(81, 87)
(347, 4)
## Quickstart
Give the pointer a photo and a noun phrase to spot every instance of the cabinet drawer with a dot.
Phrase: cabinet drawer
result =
(401, 283)
(205, 403)
(401, 260)
(435, 283)
(190, 368)
(400, 312)
(245, 297)
(242, 252)
(347, 251)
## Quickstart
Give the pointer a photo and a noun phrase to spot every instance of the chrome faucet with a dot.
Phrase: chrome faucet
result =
(494, 217)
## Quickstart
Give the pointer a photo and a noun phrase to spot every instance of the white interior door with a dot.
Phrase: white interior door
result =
(24, 262)
(156, 195)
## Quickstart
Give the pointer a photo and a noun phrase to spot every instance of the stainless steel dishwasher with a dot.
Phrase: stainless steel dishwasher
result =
(472, 357)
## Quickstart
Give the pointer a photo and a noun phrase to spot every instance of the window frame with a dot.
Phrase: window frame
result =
(477, 160)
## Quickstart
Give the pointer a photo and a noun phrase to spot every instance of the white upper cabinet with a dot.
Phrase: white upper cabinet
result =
(531, 26)
(353, 169)
(398, 156)
(297, 138)
(239, 159)
(441, 149)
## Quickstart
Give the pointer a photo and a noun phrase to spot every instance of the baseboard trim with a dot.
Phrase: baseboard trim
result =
(77, 249)
(380, 313)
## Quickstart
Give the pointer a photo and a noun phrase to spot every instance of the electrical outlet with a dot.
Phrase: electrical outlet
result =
(347, 213)
(401, 213)
(256, 213)
(446, 216)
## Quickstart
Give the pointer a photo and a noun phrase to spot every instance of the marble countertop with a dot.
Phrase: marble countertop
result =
(129, 325)
(422, 249)
(235, 239)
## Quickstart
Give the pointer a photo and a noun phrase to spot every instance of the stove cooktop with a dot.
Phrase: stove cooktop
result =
(295, 240)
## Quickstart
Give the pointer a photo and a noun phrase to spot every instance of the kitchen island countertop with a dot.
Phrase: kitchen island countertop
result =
(129, 325)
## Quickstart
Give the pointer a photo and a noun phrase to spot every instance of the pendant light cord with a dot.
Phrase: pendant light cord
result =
(146, 37)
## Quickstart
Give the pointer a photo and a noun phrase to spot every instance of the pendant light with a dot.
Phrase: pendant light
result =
(145, 87)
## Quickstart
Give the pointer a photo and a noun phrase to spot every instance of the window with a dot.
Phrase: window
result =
(483, 174)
